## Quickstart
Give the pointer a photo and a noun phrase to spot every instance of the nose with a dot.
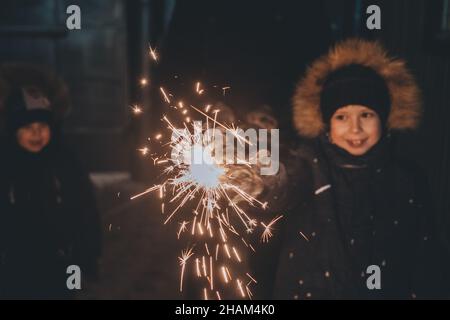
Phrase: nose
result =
(355, 125)
(36, 130)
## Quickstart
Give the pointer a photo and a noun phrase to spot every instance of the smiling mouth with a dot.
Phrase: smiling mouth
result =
(357, 143)
(36, 144)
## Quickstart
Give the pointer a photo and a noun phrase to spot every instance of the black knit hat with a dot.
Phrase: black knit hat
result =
(23, 108)
(355, 85)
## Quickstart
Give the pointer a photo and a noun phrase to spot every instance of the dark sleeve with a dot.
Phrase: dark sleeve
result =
(3, 211)
(5, 203)
(431, 257)
(87, 247)
(265, 262)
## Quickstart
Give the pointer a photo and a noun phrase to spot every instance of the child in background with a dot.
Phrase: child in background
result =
(48, 218)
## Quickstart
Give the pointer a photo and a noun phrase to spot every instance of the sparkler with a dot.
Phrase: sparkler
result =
(211, 192)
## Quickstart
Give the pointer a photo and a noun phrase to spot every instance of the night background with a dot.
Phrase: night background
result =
(258, 48)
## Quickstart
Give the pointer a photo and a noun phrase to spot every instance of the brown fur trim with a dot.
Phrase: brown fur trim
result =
(406, 102)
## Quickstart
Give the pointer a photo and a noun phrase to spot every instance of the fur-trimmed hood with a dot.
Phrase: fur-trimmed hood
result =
(406, 103)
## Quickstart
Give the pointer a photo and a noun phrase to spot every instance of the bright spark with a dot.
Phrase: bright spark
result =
(143, 82)
(185, 255)
(144, 151)
(166, 98)
(267, 234)
(224, 89)
(136, 109)
(183, 228)
(152, 53)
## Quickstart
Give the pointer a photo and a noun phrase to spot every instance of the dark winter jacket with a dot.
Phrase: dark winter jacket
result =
(48, 221)
(351, 213)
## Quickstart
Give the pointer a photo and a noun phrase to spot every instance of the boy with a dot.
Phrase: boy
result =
(361, 210)
(48, 219)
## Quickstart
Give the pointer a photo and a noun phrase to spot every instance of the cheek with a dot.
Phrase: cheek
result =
(22, 136)
(46, 135)
(373, 130)
(337, 130)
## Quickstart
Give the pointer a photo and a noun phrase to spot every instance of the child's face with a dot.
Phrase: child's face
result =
(34, 136)
(355, 128)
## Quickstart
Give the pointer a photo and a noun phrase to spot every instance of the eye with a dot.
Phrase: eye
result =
(367, 115)
(340, 117)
